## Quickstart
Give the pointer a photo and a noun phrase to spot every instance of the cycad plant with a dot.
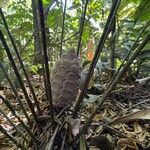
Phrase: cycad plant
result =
(51, 126)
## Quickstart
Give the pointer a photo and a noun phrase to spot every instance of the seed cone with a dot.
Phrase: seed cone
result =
(65, 79)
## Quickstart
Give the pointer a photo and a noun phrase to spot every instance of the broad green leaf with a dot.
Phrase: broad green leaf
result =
(54, 18)
(46, 2)
(34, 69)
(26, 26)
(145, 54)
(118, 63)
(125, 3)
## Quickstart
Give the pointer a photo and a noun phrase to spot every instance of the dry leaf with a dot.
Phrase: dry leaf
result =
(142, 135)
(98, 117)
(75, 125)
(126, 143)
(137, 128)
(143, 114)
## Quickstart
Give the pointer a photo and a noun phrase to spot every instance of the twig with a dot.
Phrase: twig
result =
(114, 83)
(15, 93)
(12, 138)
(49, 145)
(81, 27)
(97, 54)
(69, 37)
(118, 133)
(15, 127)
(57, 117)
(21, 63)
(113, 45)
(46, 66)
(63, 142)
(111, 87)
(131, 50)
(8, 104)
(47, 9)
(45, 14)
(144, 101)
(18, 77)
(63, 24)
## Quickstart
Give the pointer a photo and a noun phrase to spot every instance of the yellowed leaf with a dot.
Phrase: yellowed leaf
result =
(90, 49)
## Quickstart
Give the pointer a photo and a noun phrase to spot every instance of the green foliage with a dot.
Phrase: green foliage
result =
(46, 2)
(144, 59)
(54, 18)
(35, 68)
(20, 20)
(143, 11)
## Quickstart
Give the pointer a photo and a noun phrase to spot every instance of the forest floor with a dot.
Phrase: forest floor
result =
(124, 117)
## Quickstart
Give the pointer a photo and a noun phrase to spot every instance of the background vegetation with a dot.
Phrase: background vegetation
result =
(131, 17)
(121, 36)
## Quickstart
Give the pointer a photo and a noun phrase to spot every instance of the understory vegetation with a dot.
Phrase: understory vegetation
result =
(75, 74)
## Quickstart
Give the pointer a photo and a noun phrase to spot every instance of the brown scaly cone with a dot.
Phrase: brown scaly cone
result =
(65, 78)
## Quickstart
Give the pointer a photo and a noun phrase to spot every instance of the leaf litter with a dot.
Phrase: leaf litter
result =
(124, 118)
